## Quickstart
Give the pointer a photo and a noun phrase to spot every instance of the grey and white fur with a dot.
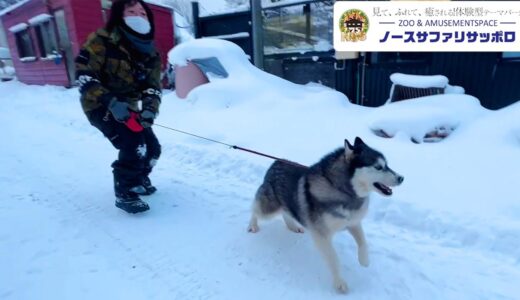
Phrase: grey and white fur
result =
(330, 196)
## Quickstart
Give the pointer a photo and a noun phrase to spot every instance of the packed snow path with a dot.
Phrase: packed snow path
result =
(61, 236)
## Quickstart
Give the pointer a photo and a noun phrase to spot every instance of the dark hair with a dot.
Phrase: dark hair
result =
(117, 11)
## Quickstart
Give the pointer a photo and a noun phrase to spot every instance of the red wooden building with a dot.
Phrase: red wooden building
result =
(44, 36)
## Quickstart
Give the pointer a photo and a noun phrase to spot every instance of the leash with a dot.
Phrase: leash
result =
(232, 146)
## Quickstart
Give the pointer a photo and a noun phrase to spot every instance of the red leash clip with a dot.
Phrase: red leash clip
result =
(133, 123)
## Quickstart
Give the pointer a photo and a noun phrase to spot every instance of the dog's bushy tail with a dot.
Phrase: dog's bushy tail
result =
(266, 204)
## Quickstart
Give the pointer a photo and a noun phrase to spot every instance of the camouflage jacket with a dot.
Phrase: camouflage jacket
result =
(105, 69)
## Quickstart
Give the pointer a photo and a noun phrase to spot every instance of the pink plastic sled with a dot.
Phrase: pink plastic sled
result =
(187, 78)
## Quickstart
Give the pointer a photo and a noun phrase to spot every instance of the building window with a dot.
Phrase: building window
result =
(24, 44)
(46, 39)
(298, 28)
(106, 4)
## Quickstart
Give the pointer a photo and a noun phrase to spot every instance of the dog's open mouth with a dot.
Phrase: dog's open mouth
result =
(385, 190)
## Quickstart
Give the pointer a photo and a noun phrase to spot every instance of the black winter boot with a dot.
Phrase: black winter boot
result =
(147, 184)
(131, 203)
(145, 189)
(126, 175)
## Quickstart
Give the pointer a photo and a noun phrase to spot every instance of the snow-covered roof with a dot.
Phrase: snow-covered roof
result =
(39, 19)
(12, 7)
(18, 27)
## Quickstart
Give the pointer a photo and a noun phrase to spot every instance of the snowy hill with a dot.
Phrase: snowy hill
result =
(451, 231)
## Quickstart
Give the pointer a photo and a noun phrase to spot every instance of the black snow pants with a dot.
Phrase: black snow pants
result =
(138, 151)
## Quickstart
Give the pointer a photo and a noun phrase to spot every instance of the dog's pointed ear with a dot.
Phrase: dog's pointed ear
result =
(359, 145)
(349, 149)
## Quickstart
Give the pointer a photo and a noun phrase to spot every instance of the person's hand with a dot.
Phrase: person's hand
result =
(147, 117)
(119, 110)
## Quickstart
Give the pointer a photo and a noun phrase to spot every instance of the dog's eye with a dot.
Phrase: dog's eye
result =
(379, 168)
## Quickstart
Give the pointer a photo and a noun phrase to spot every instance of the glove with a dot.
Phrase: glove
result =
(119, 110)
(147, 117)
(133, 123)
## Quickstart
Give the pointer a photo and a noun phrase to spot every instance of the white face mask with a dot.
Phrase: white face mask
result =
(138, 24)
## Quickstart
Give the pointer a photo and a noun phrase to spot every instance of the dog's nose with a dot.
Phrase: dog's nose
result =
(400, 179)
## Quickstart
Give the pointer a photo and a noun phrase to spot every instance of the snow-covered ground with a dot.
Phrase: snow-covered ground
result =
(451, 231)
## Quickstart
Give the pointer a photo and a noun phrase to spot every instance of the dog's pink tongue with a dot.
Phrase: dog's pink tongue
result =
(383, 188)
(388, 191)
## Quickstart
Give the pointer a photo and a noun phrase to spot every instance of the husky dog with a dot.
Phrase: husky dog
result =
(328, 197)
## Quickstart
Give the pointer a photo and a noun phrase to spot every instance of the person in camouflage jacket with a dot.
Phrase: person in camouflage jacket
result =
(117, 69)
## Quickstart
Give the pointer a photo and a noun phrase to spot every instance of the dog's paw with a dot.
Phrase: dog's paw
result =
(253, 228)
(296, 229)
(363, 257)
(341, 286)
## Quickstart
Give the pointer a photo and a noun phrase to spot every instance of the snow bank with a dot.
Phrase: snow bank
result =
(245, 80)
(4, 53)
(237, 104)
(454, 89)
(8, 70)
(497, 128)
(417, 117)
